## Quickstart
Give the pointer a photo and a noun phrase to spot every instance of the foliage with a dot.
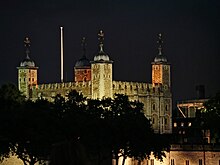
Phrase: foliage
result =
(102, 129)
(132, 133)
(10, 101)
(212, 111)
(211, 115)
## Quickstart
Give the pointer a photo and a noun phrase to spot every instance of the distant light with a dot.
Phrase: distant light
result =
(182, 124)
(189, 124)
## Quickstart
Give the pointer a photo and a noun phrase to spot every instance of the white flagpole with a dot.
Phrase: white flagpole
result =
(61, 51)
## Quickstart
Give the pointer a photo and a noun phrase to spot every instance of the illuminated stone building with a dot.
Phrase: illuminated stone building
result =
(94, 80)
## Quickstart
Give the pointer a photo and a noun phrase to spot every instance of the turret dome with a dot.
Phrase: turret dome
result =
(27, 62)
(101, 56)
(160, 58)
(83, 62)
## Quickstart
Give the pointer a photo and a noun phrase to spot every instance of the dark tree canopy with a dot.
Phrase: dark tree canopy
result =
(211, 115)
(101, 130)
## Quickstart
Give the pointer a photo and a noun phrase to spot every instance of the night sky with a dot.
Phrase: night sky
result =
(191, 30)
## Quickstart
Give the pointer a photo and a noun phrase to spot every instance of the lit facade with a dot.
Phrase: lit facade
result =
(94, 80)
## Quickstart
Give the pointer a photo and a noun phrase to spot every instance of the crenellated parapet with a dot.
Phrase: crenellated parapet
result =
(140, 88)
(66, 85)
(50, 90)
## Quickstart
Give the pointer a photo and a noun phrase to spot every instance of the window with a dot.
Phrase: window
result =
(172, 162)
(189, 124)
(154, 106)
(153, 120)
(187, 162)
(182, 124)
(175, 124)
(165, 121)
(152, 162)
(166, 67)
(200, 161)
(32, 79)
(166, 107)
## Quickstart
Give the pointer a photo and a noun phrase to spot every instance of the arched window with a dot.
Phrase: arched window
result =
(166, 107)
(153, 120)
(153, 106)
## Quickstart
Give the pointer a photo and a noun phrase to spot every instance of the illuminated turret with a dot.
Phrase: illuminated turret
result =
(27, 71)
(162, 104)
(82, 69)
(160, 67)
(101, 72)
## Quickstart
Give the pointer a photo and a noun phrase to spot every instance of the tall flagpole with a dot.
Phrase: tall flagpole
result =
(61, 51)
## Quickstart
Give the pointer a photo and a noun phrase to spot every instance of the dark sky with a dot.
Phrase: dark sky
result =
(190, 28)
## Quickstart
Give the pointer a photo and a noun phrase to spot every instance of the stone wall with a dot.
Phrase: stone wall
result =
(180, 154)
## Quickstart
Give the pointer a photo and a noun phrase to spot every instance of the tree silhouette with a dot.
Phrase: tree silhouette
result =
(211, 115)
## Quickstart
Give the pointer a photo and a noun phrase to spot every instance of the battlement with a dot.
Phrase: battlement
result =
(195, 147)
(66, 85)
(134, 87)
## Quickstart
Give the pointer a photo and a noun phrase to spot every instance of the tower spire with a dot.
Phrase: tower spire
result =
(160, 43)
(83, 44)
(101, 40)
(27, 45)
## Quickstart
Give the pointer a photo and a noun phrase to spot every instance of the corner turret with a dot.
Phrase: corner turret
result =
(82, 68)
(160, 67)
(27, 71)
(101, 72)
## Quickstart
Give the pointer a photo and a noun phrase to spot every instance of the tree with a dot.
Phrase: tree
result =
(34, 132)
(97, 133)
(211, 115)
(10, 101)
(132, 135)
